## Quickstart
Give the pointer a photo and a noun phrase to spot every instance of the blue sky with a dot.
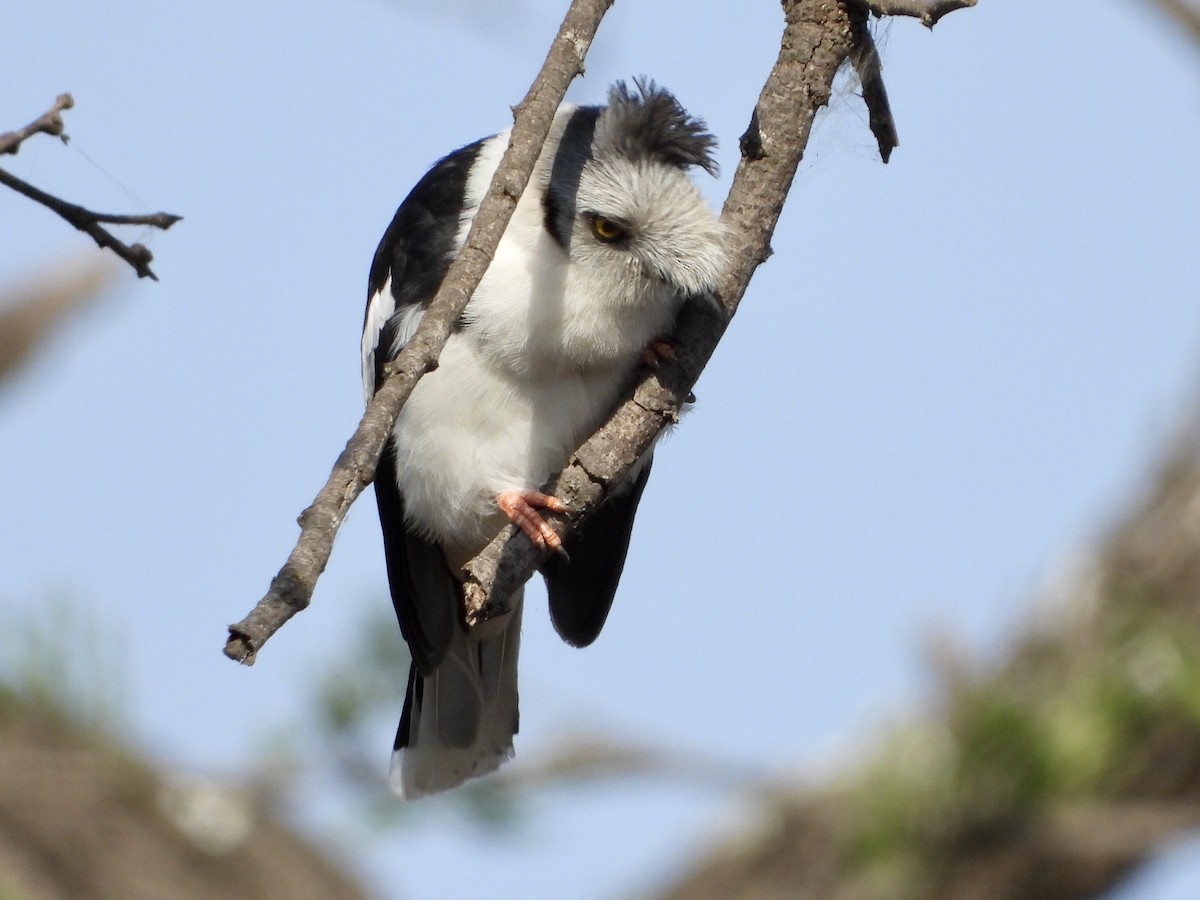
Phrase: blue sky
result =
(950, 377)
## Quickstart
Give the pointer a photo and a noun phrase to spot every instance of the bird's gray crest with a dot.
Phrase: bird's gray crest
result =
(649, 123)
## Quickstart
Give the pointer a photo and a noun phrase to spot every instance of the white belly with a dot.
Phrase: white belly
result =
(470, 431)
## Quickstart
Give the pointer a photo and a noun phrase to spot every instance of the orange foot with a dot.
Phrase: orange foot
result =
(522, 507)
(657, 350)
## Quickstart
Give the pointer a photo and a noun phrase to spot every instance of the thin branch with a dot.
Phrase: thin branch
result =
(87, 221)
(928, 11)
(160, 220)
(291, 589)
(49, 122)
(869, 69)
(817, 39)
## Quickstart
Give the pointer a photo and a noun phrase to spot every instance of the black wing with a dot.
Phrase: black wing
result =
(415, 254)
(581, 591)
(424, 591)
(416, 251)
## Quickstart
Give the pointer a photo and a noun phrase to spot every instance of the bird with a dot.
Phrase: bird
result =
(609, 240)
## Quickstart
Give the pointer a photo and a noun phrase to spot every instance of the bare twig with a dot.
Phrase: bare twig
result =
(869, 69)
(817, 39)
(87, 221)
(292, 588)
(137, 255)
(50, 122)
(928, 11)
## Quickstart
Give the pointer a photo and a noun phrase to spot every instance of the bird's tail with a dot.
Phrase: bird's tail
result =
(459, 722)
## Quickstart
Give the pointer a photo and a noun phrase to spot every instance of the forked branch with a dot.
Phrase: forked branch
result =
(818, 38)
(88, 221)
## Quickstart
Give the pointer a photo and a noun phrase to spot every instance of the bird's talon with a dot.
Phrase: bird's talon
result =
(521, 508)
(656, 351)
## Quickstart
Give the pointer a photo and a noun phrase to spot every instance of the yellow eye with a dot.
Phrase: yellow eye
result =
(607, 231)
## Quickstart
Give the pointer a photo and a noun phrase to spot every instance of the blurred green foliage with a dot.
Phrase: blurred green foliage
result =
(1066, 721)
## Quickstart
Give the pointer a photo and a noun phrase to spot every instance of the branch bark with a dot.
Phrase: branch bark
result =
(869, 69)
(291, 589)
(928, 11)
(817, 39)
(50, 122)
(88, 221)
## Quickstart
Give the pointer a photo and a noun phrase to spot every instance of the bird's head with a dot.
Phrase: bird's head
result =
(621, 203)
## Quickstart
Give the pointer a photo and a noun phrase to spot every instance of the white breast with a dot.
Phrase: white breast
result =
(470, 431)
(541, 359)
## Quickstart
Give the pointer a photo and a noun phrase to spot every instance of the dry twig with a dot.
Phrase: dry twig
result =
(49, 122)
(817, 40)
(869, 68)
(86, 220)
(292, 588)
(928, 11)
(89, 222)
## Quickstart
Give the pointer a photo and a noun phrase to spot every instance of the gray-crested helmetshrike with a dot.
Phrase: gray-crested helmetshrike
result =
(608, 241)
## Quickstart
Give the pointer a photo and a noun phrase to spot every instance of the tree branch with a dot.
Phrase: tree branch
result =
(86, 220)
(817, 39)
(928, 11)
(49, 122)
(291, 589)
(869, 68)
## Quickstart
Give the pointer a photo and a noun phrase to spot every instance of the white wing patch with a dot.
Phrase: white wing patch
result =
(381, 308)
(408, 320)
(382, 305)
